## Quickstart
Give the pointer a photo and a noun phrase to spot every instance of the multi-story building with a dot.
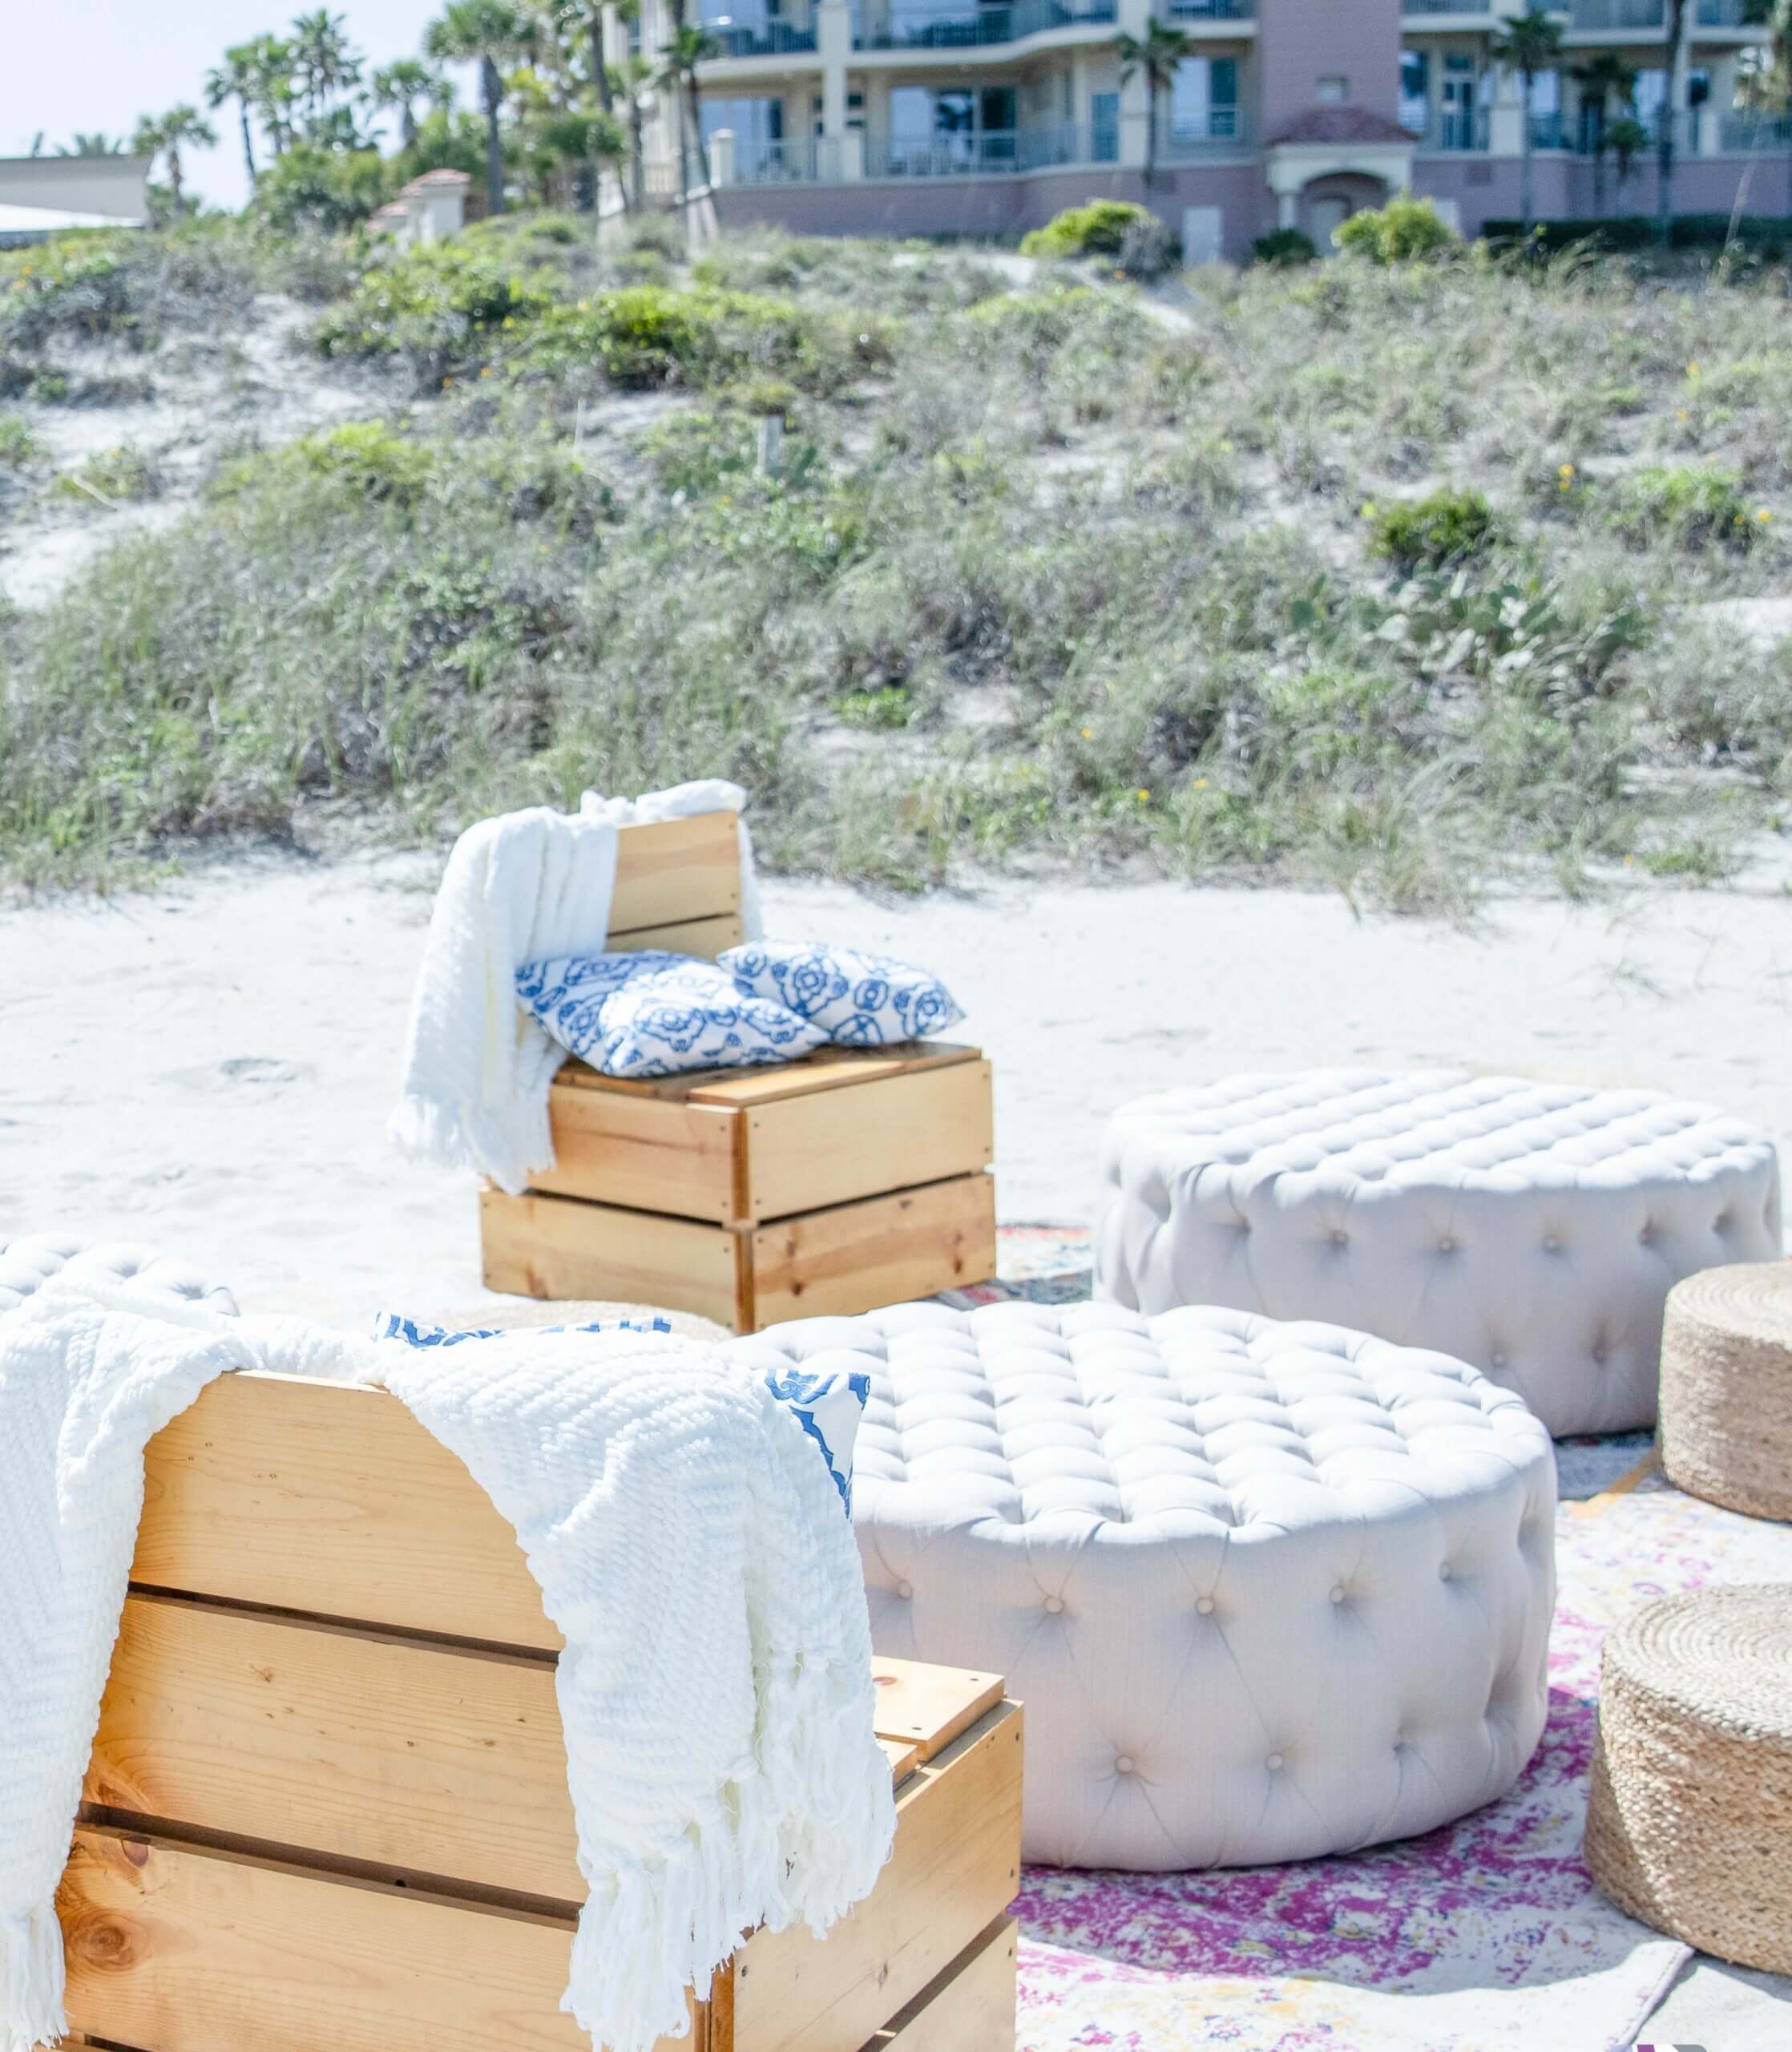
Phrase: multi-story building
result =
(968, 117)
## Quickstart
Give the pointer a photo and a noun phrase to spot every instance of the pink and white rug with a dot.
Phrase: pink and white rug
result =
(1486, 1935)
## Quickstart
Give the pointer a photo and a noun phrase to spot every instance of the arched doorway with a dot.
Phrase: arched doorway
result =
(1328, 202)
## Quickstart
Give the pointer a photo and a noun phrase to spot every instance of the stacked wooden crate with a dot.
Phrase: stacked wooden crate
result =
(327, 1803)
(855, 1178)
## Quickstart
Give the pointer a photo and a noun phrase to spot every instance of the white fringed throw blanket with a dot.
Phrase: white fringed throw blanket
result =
(688, 1544)
(517, 888)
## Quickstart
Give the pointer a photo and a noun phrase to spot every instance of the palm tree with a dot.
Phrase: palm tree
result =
(236, 79)
(399, 85)
(633, 80)
(326, 62)
(1156, 56)
(92, 143)
(165, 135)
(1628, 138)
(272, 88)
(1603, 79)
(678, 74)
(1530, 42)
(488, 33)
(1664, 121)
(1765, 90)
(590, 140)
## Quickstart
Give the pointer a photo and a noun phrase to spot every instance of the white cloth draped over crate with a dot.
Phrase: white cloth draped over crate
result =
(517, 888)
(687, 1543)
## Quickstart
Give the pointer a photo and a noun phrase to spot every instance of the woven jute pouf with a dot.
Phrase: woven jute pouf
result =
(1727, 1388)
(1690, 1815)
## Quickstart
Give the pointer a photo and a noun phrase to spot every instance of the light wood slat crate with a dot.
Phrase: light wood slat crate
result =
(327, 1802)
(853, 1178)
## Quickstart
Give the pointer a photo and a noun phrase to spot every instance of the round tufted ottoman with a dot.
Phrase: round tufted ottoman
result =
(1689, 1811)
(28, 1262)
(1266, 1591)
(1727, 1388)
(1533, 1230)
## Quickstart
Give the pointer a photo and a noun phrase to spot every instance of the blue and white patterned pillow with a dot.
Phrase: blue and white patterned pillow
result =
(858, 999)
(655, 1014)
(829, 1408)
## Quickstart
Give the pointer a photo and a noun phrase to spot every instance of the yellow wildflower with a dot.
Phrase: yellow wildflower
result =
(1145, 797)
(1200, 783)
(1692, 370)
(1764, 515)
(1088, 733)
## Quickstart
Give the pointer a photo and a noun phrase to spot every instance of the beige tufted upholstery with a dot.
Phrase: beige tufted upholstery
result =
(27, 1263)
(1533, 1230)
(1266, 1591)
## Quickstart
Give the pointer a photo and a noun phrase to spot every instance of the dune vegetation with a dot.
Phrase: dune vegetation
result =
(1403, 577)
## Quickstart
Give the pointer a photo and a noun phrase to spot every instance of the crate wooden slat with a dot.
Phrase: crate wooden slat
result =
(557, 1247)
(706, 937)
(674, 870)
(969, 2007)
(880, 1250)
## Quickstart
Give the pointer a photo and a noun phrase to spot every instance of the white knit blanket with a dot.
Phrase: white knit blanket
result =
(517, 888)
(715, 1688)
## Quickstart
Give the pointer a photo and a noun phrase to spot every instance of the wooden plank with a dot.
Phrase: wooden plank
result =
(652, 1153)
(564, 1247)
(828, 1068)
(955, 1868)
(677, 870)
(895, 1133)
(318, 1496)
(706, 937)
(881, 1250)
(971, 2008)
(930, 1707)
(179, 1948)
(391, 1752)
(903, 1758)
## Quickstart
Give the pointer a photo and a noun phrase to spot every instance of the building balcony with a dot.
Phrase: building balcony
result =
(1650, 16)
(766, 39)
(1212, 10)
(970, 28)
(1446, 6)
(1456, 128)
(1742, 134)
(982, 153)
(1222, 131)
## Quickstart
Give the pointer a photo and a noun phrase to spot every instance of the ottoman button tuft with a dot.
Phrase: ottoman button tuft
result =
(1274, 1763)
(1053, 1604)
(1123, 1763)
(1338, 1593)
(1204, 1604)
(1443, 1572)
(904, 1589)
(1446, 1244)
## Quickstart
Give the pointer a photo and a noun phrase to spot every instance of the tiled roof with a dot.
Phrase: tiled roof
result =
(1342, 124)
(434, 181)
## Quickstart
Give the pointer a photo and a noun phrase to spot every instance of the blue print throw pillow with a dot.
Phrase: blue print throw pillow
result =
(655, 1014)
(858, 999)
(829, 1407)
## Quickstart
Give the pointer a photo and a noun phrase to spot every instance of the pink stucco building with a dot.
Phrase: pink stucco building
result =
(931, 116)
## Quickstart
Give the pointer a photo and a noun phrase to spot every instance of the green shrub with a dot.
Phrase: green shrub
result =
(367, 456)
(110, 474)
(18, 444)
(695, 453)
(433, 303)
(1405, 231)
(1444, 526)
(1689, 504)
(643, 336)
(888, 707)
(307, 187)
(1097, 229)
(1285, 247)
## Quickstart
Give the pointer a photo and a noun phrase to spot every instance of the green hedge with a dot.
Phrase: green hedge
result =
(1625, 231)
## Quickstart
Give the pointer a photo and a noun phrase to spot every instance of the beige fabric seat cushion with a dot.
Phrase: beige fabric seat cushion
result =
(1266, 1591)
(1533, 1229)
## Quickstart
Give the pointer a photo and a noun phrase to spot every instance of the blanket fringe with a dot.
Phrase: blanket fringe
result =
(31, 1984)
(509, 1151)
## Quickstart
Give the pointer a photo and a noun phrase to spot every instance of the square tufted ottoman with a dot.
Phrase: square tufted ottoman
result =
(1267, 1591)
(1533, 1230)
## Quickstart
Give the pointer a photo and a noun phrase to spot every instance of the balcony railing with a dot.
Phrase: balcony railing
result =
(1446, 6)
(1618, 13)
(767, 39)
(1739, 133)
(901, 28)
(794, 160)
(1212, 10)
(1221, 129)
(1722, 14)
(1457, 128)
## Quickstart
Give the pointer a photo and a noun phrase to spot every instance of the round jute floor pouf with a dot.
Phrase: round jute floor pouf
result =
(1690, 1811)
(1726, 1424)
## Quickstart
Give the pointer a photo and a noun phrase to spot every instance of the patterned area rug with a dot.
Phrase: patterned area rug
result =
(1488, 1934)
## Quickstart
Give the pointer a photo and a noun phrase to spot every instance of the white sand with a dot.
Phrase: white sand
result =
(208, 1067)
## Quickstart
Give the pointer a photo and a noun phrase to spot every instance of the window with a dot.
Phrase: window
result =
(1203, 98)
(758, 127)
(1415, 89)
(1104, 128)
(1332, 91)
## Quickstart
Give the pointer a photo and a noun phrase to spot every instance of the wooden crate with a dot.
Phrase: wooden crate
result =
(852, 1178)
(327, 1801)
